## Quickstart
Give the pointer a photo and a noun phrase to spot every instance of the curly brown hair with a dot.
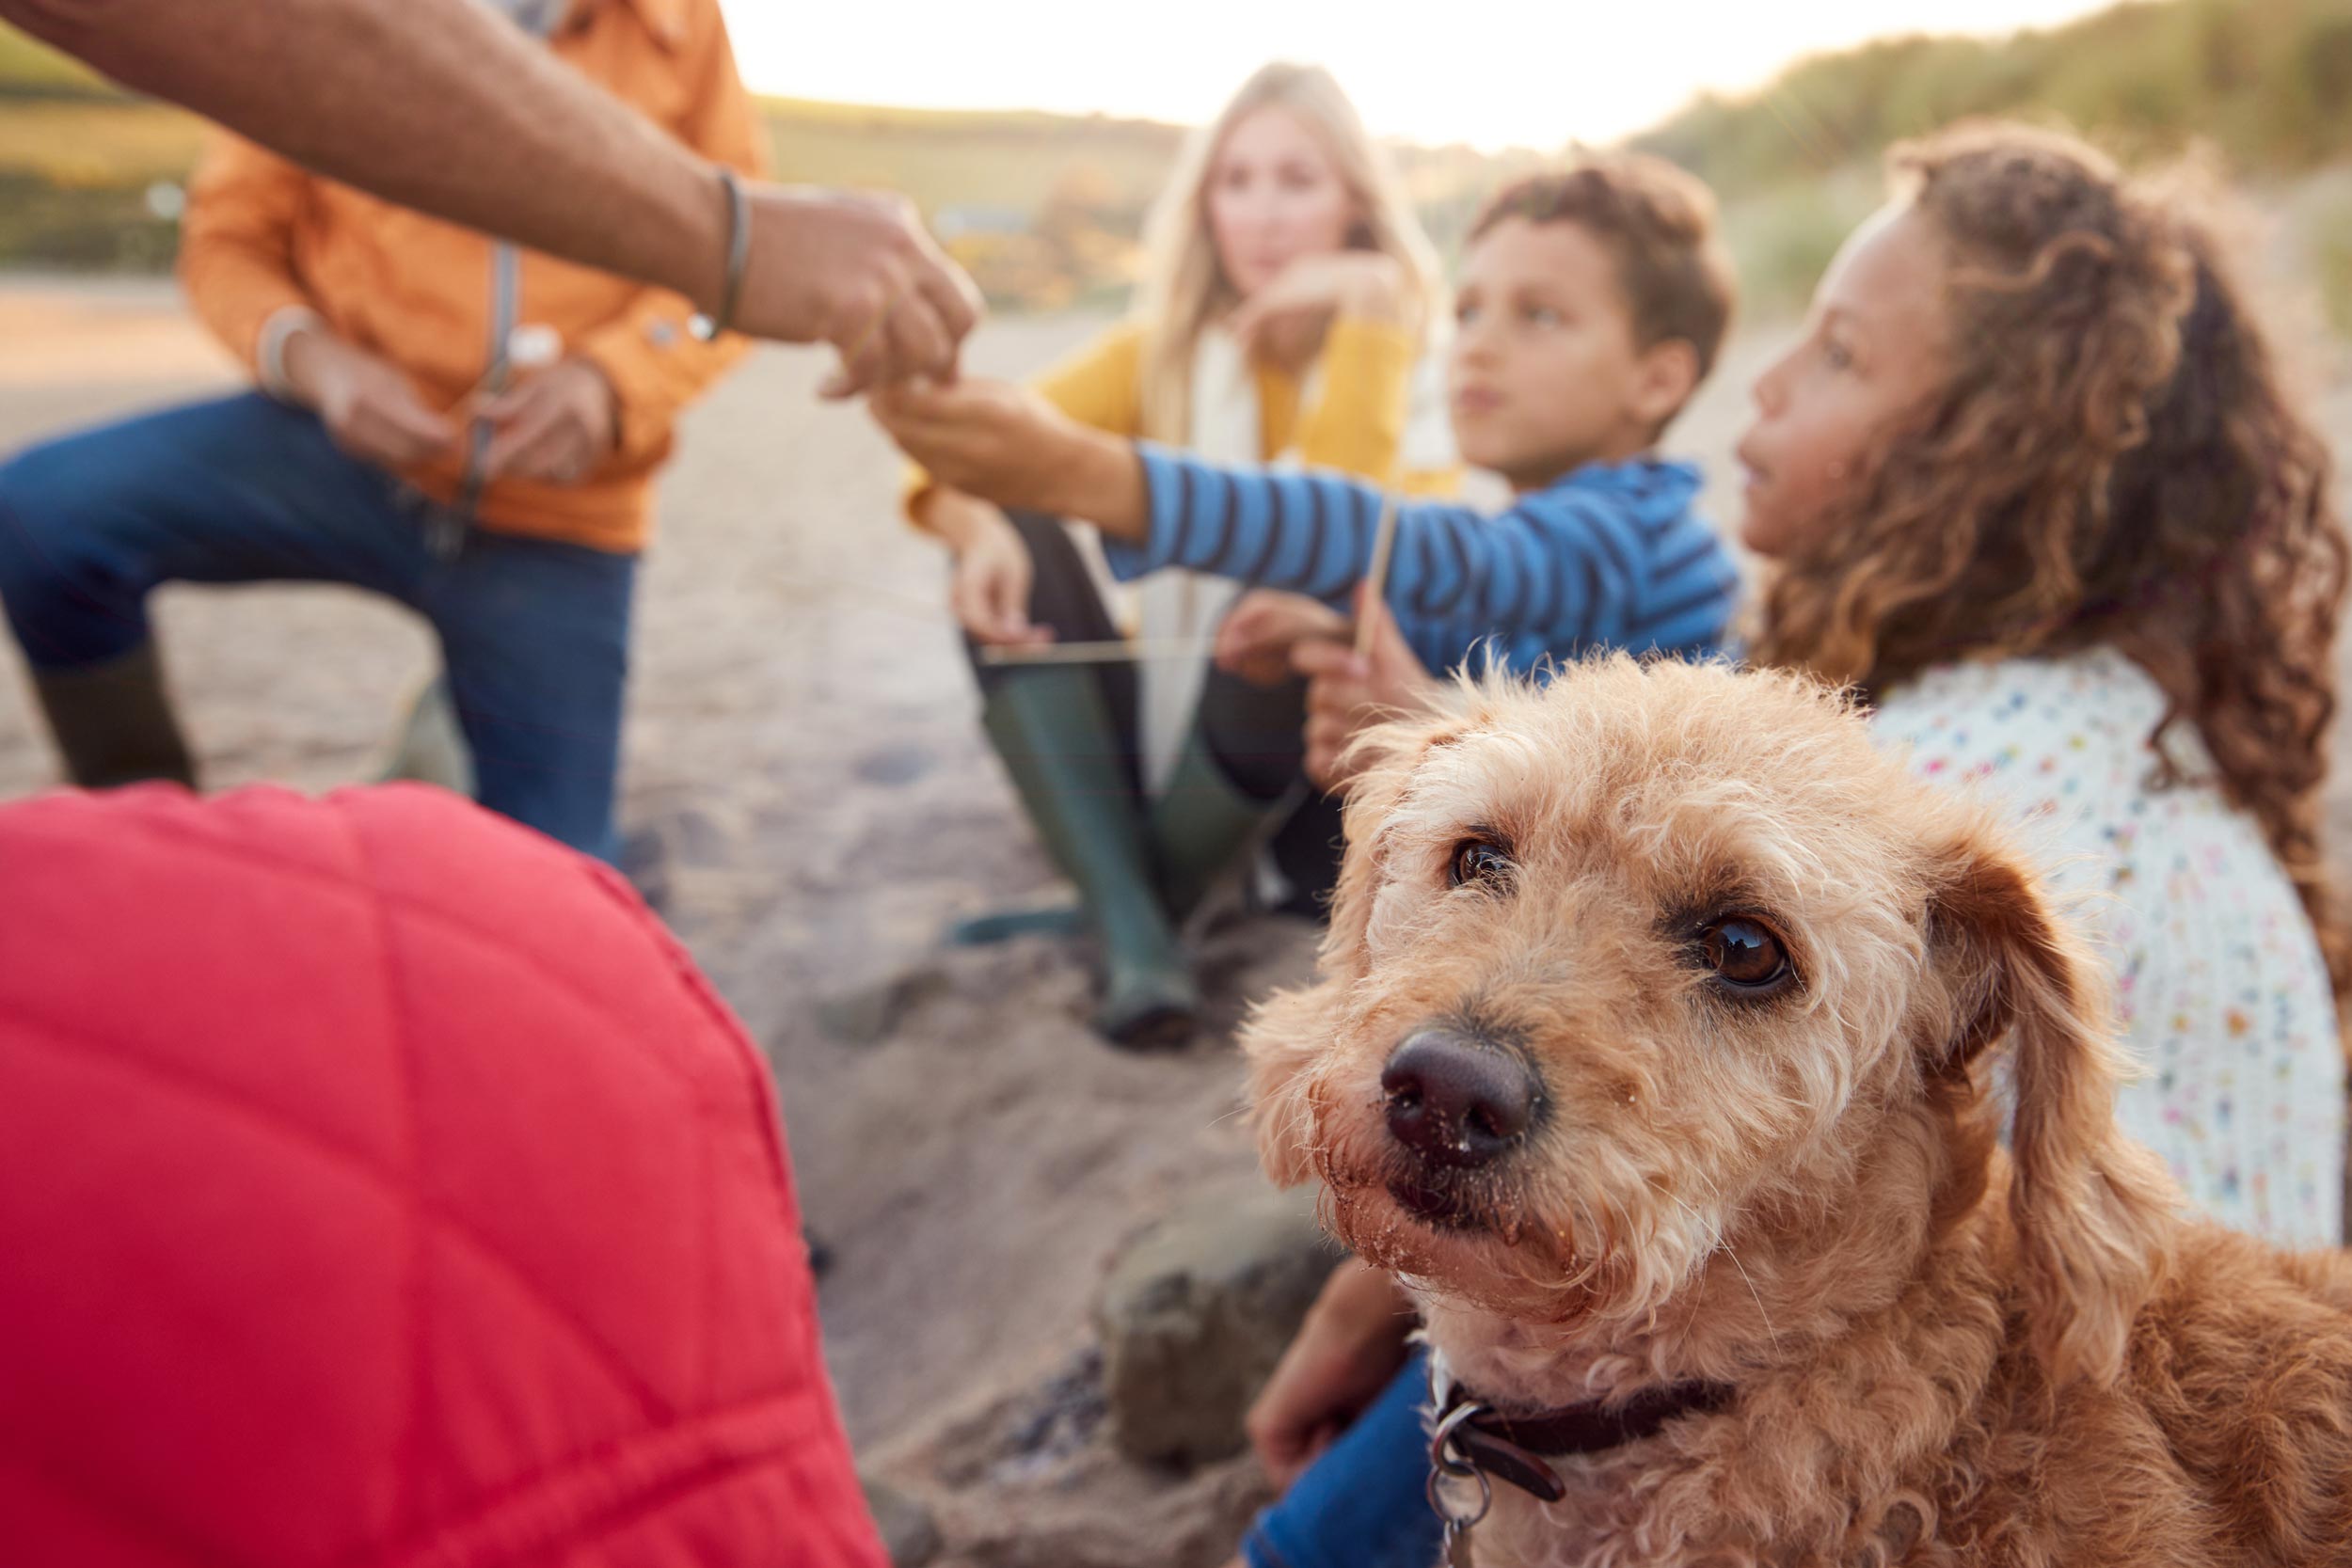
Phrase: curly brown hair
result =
(2112, 460)
(1657, 222)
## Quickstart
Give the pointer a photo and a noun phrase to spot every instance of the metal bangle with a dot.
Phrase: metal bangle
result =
(705, 327)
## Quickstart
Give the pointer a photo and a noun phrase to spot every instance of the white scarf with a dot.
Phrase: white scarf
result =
(1227, 428)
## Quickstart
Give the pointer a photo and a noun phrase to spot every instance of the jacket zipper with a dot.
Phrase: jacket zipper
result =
(449, 533)
(505, 307)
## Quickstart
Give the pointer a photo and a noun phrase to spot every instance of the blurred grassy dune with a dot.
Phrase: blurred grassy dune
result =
(2267, 81)
(2267, 85)
(1046, 208)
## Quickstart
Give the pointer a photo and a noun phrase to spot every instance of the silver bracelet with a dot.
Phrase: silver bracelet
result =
(705, 327)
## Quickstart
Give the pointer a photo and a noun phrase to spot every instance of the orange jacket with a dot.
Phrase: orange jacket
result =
(263, 234)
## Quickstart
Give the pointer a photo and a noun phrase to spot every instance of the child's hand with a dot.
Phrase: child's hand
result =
(1004, 444)
(1345, 694)
(1255, 639)
(993, 439)
(1286, 320)
(1350, 1346)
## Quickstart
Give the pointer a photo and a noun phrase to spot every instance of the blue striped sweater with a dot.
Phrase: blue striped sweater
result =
(1610, 555)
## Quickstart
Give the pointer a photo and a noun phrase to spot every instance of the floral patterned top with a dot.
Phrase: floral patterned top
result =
(2224, 995)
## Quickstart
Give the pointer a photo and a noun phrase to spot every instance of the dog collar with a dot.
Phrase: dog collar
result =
(1473, 1437)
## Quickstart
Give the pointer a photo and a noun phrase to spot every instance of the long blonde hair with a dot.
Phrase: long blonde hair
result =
(1183, 289)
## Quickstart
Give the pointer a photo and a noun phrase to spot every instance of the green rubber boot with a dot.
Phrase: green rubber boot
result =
(1056, 737)
(113, 722)
(1203, 828)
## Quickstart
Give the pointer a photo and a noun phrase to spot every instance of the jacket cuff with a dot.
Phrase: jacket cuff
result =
(1166, 483)
(269, 348)
(630, 354)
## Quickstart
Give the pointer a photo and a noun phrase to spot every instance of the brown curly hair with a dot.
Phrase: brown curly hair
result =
(2111, 461)
(1657, 222)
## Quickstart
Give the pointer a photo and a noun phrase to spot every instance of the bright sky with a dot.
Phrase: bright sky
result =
(1492, 72)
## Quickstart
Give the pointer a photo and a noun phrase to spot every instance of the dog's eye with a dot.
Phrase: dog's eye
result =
(1744, 954)
(1481, 863)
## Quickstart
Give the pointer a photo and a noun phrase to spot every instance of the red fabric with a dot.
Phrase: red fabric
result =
(380, 1183)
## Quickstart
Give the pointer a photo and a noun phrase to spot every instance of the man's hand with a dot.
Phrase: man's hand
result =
(1347, 1351)
(366, 403)
(556, 426)
(1285, 322)
(1345, 694)
(1006, 444)
(1256, 638)
(854, 269)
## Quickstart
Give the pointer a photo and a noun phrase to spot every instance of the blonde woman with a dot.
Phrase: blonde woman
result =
(1283, 318)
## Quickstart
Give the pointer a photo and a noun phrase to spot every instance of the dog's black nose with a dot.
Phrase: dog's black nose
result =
(1455, 1101)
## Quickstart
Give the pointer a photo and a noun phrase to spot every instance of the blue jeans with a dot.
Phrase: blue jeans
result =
(1361, 1505)
(533, 633)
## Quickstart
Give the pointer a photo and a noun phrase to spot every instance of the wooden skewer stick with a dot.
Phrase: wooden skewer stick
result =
(1377, 579)
(1119, 651)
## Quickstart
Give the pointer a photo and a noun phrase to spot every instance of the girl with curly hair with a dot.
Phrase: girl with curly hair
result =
(2030, 480)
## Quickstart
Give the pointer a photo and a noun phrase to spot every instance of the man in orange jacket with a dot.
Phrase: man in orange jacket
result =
(466, 427)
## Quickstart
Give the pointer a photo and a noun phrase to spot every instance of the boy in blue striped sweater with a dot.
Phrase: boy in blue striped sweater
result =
(1591, 306)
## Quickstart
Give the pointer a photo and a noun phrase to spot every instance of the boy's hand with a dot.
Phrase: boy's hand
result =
(993, 439)
(1006, 444)
(1346, 1351)
(557, 427)
(1345, 694)
(366, 403)
(1287, 319)
(989, 589)
(1255, 639)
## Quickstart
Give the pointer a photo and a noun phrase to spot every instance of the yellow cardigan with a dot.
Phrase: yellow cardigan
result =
(1355, 427)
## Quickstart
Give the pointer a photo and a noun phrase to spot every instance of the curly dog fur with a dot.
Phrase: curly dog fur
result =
(1945, 1350)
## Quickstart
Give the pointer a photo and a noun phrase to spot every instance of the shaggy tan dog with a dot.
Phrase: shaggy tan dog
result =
(1654, 1049)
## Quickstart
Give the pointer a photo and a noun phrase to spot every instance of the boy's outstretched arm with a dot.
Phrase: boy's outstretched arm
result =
(1554, 563)
(1007, 444)
(1558, 562)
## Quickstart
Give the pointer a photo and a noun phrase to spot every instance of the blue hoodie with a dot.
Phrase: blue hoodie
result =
(1610, 555)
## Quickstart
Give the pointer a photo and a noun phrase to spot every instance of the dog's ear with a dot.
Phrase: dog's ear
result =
(1378, 765)
(1287, 1034)
(2092, 1209)
(1283, 1038)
